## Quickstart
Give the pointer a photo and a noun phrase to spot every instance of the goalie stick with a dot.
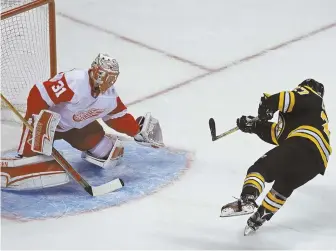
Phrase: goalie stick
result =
(92, 190)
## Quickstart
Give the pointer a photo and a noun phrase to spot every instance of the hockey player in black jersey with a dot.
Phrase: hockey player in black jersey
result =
(302, 150)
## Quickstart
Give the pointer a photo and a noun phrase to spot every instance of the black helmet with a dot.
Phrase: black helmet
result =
(316, 86)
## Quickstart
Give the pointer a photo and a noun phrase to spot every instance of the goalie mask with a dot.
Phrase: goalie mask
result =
(104, 73)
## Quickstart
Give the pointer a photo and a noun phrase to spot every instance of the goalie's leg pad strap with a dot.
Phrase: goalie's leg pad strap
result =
(32, 173)
(106, 153)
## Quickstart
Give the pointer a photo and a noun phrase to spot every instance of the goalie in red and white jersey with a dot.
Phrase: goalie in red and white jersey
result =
(67, 107)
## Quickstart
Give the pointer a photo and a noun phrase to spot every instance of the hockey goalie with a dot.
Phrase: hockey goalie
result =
(67, 107)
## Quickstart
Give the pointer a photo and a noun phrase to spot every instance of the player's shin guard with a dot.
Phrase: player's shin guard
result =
(273, 201)
(254, 184)
(270, 205)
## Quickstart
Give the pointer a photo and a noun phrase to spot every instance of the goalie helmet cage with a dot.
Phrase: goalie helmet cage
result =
(28, 49)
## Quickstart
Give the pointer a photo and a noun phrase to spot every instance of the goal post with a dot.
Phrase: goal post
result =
(28, 49)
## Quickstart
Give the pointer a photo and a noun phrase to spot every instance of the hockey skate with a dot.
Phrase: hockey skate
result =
(245, 205)
(257, 220)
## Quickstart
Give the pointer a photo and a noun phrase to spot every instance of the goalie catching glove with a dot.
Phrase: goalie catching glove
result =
(150, 132)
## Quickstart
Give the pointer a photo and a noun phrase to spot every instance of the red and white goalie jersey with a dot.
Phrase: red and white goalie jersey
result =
(77, 98)
(70, 95)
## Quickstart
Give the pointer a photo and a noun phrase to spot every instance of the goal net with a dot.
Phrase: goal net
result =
(28, 49)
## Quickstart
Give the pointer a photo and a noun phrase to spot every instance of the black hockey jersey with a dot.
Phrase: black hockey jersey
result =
(301, 114)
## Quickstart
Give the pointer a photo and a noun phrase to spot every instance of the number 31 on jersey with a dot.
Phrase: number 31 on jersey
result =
(58, 86)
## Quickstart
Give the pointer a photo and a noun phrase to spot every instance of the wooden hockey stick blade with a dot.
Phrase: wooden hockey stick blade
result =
(107, 187)
(94, 191)
(212, 127)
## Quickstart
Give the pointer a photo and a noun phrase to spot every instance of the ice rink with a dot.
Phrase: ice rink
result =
(186, 61)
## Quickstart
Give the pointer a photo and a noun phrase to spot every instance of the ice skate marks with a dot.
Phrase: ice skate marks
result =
(144, 170)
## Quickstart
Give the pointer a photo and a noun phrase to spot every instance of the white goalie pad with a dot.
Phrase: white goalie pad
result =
(44, 130)
(112, 159)
(150, 134)
(30, 173)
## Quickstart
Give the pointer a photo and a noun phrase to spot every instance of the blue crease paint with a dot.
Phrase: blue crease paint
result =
(144, 170)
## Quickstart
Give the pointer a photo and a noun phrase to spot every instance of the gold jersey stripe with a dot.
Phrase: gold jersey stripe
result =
(273, 198)
(311, 138)
(257, 175)
(255, 183)
(292, 101)
(269, 207)
(281, 101)
(318, 132)
(311, 89)
(273, 136)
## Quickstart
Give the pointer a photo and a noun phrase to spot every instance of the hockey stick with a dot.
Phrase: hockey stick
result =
(212, 127)
(92, 190)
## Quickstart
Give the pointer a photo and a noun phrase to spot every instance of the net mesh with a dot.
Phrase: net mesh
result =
(25, 53)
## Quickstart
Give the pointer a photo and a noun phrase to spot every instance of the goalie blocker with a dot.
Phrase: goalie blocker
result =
(42, 171)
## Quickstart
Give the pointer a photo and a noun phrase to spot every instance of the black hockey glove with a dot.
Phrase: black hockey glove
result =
(247, 124)
(264, 113)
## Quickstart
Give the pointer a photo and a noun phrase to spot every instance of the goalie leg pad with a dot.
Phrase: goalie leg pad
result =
(31, 173)
(44, 131)
(106, 153)
(25, 142)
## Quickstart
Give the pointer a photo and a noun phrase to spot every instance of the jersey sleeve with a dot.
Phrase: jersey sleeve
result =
(55, 90)
(266, 132)
(121, 121)
(35, 103)
(292, 101)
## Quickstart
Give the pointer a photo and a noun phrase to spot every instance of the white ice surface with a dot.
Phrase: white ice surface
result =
(211, 33)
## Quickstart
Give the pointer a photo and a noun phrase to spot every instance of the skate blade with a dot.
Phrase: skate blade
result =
(248, 230)
(232, 214)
